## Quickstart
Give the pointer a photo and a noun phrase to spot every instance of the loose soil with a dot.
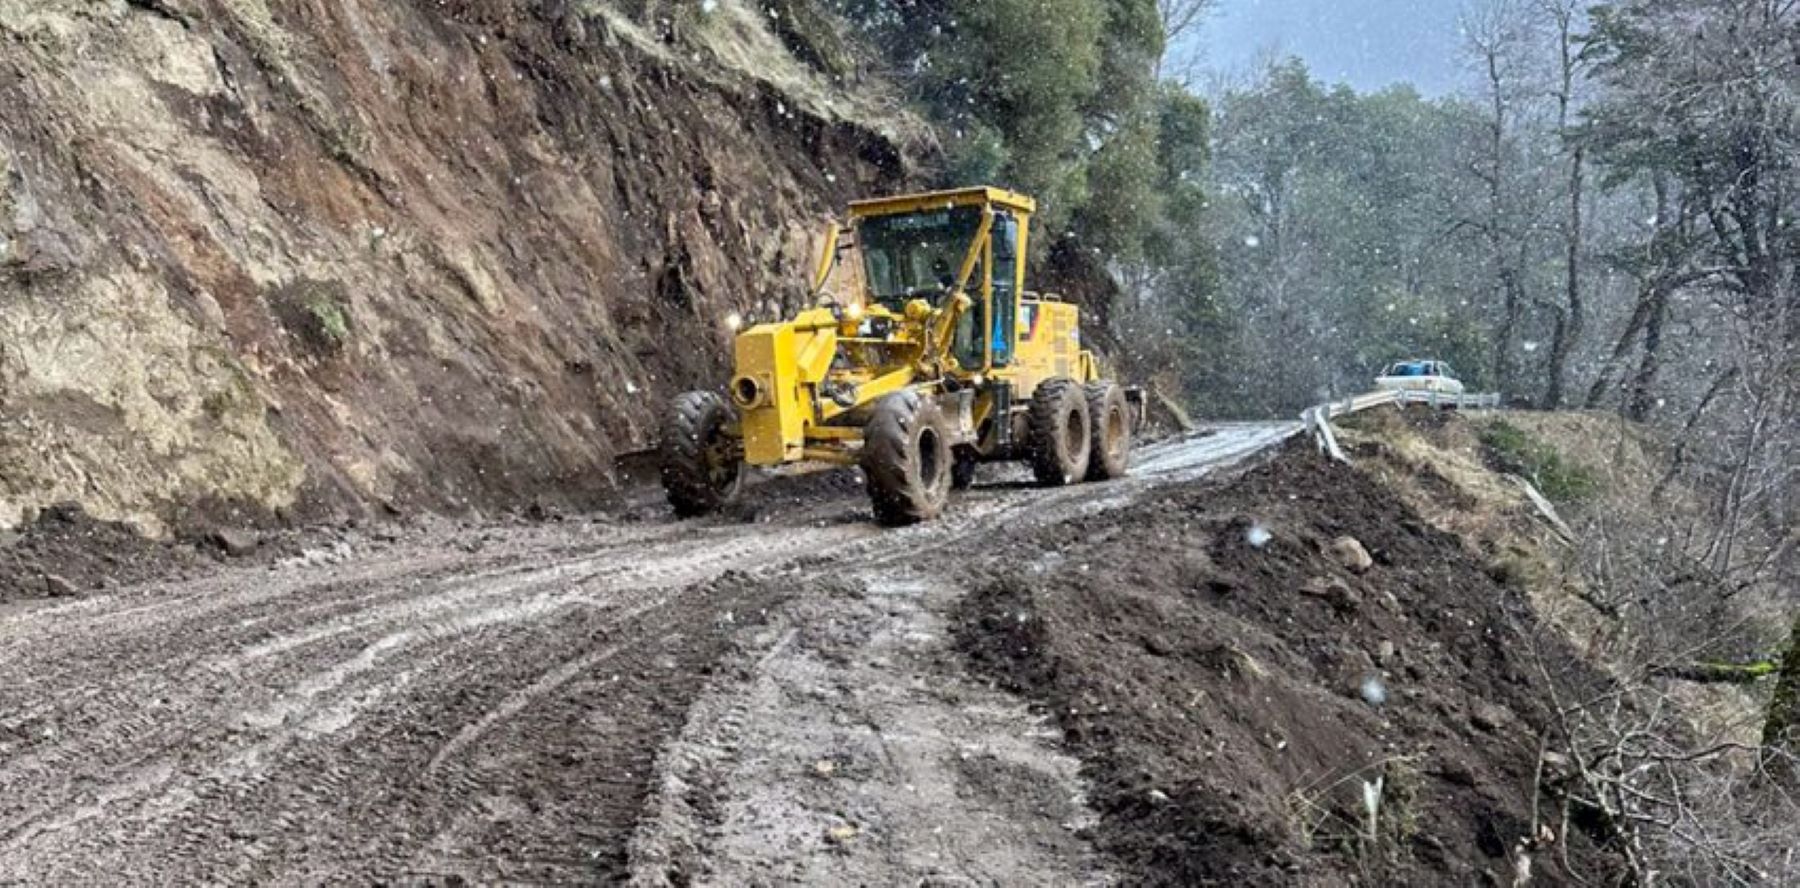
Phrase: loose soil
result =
(1231, 700)
(66, 553)
(506, 701)
(1098, 684)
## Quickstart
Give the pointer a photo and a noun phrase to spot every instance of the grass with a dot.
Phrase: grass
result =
(1512, 449)
(317, 315)
(1369, 815)
(330, 320)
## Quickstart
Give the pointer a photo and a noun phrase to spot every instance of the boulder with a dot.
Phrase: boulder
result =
(1350, 553)
(236, 543)
(1337, 593)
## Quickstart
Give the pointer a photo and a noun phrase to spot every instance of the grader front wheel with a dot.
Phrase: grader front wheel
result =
(701, 469)
(906, 458)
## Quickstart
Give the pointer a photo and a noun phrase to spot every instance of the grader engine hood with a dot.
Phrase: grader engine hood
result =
(779, 370)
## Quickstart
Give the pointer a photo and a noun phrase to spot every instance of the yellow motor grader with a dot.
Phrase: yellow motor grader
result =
(924, 356)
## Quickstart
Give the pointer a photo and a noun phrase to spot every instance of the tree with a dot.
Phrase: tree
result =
(1120, 123)
(1179, 18)
(1703, 98)
(1499, 37)
(1571, 318)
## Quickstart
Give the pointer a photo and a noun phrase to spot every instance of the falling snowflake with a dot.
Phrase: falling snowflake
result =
(1373, 691)
(1258, 536)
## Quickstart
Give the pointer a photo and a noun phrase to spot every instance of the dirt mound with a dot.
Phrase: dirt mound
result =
(1236, 684)
(68, 553)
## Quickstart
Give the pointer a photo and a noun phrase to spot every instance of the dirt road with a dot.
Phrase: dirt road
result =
(528, 703)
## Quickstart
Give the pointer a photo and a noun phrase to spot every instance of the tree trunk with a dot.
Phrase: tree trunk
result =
(1640, 400)
(1512, 308)
(1505, 284)
(1639, 316)
(1569, 325)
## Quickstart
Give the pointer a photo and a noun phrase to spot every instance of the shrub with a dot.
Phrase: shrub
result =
(1509, 448)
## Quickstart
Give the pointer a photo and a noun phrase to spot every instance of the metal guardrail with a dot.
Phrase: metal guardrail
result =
(1318, 419)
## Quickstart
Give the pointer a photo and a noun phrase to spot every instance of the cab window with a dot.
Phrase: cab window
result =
(967, 345)
(1005, 278)
(914, 255)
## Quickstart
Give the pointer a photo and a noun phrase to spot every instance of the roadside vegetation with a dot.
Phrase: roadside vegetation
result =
(1512, 449)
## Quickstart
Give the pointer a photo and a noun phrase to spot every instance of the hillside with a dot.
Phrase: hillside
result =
(275, 258)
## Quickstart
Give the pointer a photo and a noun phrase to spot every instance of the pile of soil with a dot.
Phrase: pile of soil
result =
(1234, 675)
(67, 552)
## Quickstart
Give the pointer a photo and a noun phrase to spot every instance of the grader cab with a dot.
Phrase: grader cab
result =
(924, 356)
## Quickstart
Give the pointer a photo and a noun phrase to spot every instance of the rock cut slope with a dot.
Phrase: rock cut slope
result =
(263, 256)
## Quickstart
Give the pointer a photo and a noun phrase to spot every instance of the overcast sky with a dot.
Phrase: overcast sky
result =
(1366, 43)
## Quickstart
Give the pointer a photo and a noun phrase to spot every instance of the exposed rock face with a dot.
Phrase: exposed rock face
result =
(304, 257)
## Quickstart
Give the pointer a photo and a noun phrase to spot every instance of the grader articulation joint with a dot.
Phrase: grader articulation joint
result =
(924, 356)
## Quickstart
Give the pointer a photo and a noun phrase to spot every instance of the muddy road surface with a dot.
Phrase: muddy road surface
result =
(538, 703)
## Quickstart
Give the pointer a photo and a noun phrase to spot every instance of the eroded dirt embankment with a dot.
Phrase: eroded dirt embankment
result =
(1232, 683)
(277, 256)
(1218, 684)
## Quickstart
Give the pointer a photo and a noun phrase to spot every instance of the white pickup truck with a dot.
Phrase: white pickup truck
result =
(1419, 376)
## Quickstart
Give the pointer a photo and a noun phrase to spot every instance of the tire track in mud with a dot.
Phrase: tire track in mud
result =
(422, 712)
(852, 740)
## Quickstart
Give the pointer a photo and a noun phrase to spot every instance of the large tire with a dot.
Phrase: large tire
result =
(1110, 441)
(906, 459)
(701, 471)
(1059, 444)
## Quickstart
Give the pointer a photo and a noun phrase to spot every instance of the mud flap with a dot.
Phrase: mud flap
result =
(959, 409)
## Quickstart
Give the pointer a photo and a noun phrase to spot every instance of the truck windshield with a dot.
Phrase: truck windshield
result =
(915, 254)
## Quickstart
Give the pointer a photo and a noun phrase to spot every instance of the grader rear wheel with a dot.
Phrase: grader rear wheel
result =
(1060, 445)
(1110, 443)
(906, 458)
(701, 470)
